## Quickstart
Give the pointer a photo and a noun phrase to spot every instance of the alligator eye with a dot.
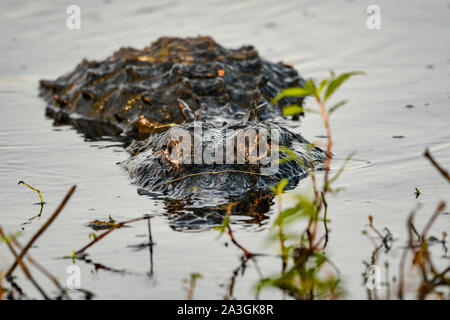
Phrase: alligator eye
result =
(87, 95)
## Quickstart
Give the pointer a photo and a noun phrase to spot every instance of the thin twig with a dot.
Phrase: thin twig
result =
(2, 290)
(284, 257)
(325, 205)
(22, 265)
(41, 230)
(401, 283)
(150, 244)
(385, 238)
(98, 238)
(439, 209)
(33, 217)
(246, 252)
(192, 282)
(444, 172)
(42, 269)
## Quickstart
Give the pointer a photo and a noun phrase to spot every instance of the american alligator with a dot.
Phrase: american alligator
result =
(175, 86)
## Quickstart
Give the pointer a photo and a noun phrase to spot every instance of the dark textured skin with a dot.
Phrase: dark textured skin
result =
(134, 94)
(136, 91)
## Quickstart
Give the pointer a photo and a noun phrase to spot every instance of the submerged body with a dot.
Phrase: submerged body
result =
(135, 92)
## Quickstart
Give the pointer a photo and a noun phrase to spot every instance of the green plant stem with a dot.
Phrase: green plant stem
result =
(32, 188)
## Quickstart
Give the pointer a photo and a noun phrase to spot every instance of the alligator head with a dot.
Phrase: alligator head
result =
(216, 160)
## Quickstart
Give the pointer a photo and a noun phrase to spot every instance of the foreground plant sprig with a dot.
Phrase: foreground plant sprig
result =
(321, 92)
(304, 260)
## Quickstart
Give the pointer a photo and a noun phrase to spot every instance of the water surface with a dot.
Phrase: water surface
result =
(407, 62)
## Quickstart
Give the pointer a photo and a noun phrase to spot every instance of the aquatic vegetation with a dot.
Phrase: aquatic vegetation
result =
(41, 230)
(102, 224)
(417, 192)
(428, 279)
(13, 245)
(21, 255)
(226, 227)
(307, 273)
(431, 278)
(191, 282)
(2, 290)
(35, 189)
(41, 203)
(439, 168)
(110, 228)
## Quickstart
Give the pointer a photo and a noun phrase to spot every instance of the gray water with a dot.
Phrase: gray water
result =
(407, 62)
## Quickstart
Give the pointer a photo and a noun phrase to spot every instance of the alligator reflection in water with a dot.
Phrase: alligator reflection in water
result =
(185, 214)
(135, 94)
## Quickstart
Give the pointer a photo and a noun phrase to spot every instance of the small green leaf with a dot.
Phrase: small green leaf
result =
(287, 213)
(291, 92)
(8, 239)
(322, 85)
(292, 110)
(309, 110)
(195, 276)
(279, 187)
(334, 84)
(292, 156)
(336, 106)
(320, 259)
(226, 219)
(310, 87)
(224, 226)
